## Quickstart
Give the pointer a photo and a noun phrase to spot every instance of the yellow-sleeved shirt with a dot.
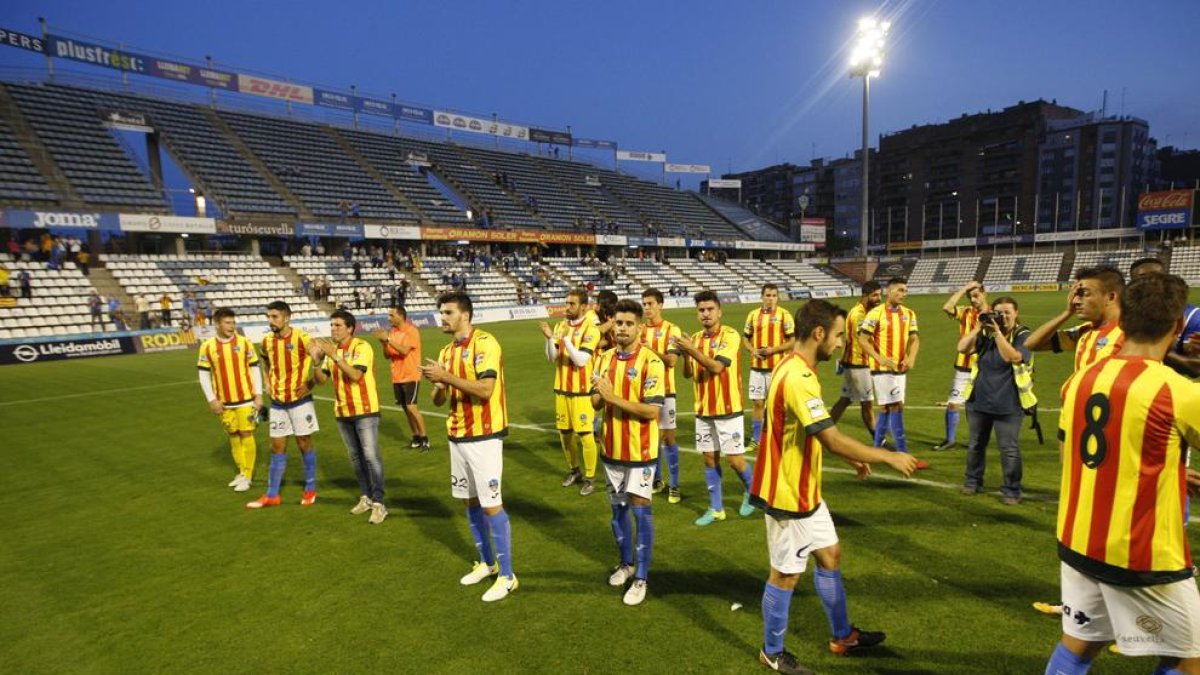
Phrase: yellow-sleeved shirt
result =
(229, 362)
(853, 355)
(290, 363)
(890, 328)
(1093, 342)
(659, 338)
(718, 396)
(476, 357)
(787, 473)
(967, 318)
(768, 329)
(570, 379)
(637, 377)
(1125, 427)
(354, 399)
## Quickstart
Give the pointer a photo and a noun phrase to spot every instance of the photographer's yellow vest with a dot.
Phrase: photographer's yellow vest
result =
(1022, 374)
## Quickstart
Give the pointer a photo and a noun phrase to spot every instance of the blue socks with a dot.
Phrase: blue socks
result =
(898, 435)
(310, 469)
(1161, 670)
(881, 428)
(622, 532)
(1064, 662)
(747, 475)
(502, 535)
(658, 474)
(482, 534)
(775, 602)
(712, 478)
(833, 597)
(951, 424)
(756, 430)
(645, 540)
(275, 473)
(673, 464)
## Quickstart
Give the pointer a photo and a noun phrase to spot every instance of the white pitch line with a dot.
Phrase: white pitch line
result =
(96, 392)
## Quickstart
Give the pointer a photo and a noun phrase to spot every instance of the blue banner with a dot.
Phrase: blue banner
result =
(1001, 239)
(593, 143)
(641, 241)
(372, 107)
(91, 220)
(21, 41)
(332, 99)
(97, 55)
(412, 114)
(192, 74)
(329, 230)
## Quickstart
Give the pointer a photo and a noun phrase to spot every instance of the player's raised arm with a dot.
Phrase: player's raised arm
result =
(1043, 337)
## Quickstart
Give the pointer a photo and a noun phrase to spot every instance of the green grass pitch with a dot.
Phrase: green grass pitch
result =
(123, 551)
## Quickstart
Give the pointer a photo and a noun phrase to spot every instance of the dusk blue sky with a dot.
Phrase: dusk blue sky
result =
(736, 85)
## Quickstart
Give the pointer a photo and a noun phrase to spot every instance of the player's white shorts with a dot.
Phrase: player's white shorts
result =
(666, 414)
(721, 435)
(300, 420)
(1161, 620)
(889, 387)
(791, 540)
(476, 468)
(958, 388)
(856, 385)
(760, 384)
(628, 480)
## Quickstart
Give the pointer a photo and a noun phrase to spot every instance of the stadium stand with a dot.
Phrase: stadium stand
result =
(712, 275)
(488, 287)
(19, 178)
(342, 284)
(579, 274)
(529, 185)
(933, 271)
(59, 305)
(756, 227)
(1041, 268)
(1118, 259)
(1185, 261)
(89, 155)
(575, 178)
(243, 283)
(652, 274)
(390, 156)
(803, 275)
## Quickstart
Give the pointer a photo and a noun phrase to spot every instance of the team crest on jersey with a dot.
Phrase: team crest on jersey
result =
(647, 475)
(774, 319)
(658, 333)
(631, 372)
(649, 383)
(466, 355)
(1101, 343)
(494, 486)
(289, 346)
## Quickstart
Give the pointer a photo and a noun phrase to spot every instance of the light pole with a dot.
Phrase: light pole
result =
(865, 61)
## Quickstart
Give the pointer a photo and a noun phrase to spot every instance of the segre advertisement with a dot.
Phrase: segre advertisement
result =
(1168, 210)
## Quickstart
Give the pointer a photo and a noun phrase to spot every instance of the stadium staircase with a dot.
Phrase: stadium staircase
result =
(108, 286)
(475, 165)
(38, 153)
(244, 150)
(757, 227)
(1068, 265)
(373, 172)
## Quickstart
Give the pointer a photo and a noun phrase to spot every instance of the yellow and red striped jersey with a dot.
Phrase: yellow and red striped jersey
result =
(637, 377)
(289, 360)
(476, 357)
(768, 329)
(720, 395)
(967, 318)
(1093, 342)
(570, 379)
(890, 328)
(229, 362)
(658, 338)
(787, 473)
(1125, 427)
(350, 398)
(853, 355)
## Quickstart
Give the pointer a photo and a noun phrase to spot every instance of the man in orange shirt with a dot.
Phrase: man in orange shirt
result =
(402, 346)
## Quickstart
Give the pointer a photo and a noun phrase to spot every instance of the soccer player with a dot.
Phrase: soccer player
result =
(1095, 297)
(629, 385)
(469, 374)
(350, 362)
(1126, 424)
(787, 485)
(287, 353)
(1178, 357)
(570, 346)
(712, 363)
(768, 334)
(232, 385)
(967, 318)
(402, 347)
(854, 366)
(659, 335)
(890, 337)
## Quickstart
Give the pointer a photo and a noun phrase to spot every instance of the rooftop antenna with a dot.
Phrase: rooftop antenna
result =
(1104, 105)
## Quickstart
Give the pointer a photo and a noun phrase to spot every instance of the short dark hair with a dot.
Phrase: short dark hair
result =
(897, 280)
(1006, 300)
(1151, 305)
(605, 297)
(816, 314)
(870, 287)
(1110, 278)
(280, 306)
(223, 313)
(399, 309)
(706, 296)
(1145, 261)
(770, 287)
(579, 293)
(458, 298)
(629, 306)
(346, 317)
(653, 293)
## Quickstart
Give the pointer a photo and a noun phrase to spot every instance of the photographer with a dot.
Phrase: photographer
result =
(998, 396)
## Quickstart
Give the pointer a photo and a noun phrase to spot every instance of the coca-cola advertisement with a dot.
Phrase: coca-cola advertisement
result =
(1170, 209)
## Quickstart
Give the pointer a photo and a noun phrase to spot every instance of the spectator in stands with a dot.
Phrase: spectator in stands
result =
(380, 292)
(344, 208)
(306, 286)
(357, 271)
(357, 299)
(320, 249)
(347, 253)
(4, 279)
(95, 305)
(83, 259)
(26, 281)
(189, 306)
(14, 249)
(164, 304)
(402, 292)
(204, 315)
(31, 250)
(355, 208)
(306, 249)
(142, 304)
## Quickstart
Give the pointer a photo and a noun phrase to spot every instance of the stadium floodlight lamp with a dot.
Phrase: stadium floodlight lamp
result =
(866, 60)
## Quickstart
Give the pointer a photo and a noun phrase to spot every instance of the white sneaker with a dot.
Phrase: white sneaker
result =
(636, 593)
(378, 513)
(243, 485)
(501, 589)
(479, 572)
(237, 478)
(363, 505)
(620, 575)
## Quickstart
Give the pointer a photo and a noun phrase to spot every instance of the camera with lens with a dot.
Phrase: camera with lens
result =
(987, 318)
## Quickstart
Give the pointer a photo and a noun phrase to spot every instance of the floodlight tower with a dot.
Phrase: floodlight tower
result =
(865, 61)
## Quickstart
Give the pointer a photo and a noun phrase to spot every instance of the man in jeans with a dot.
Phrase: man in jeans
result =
(350, 363)
(1000, 391)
